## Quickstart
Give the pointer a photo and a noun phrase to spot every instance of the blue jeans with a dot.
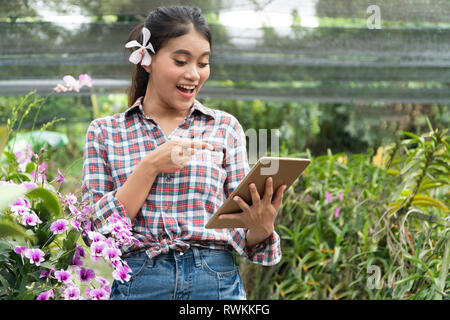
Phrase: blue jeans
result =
(196, 274)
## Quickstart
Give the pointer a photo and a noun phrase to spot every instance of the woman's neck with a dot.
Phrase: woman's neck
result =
(155, 108)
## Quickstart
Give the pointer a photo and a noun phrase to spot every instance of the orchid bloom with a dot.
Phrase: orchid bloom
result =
(71, 83)
(85, 80)
(329, 197)
(60, 88)
(337, 211)
(60, 178)
(46, 295)
(59, 226)
(141, 54)
(63, 276)
(36, 256)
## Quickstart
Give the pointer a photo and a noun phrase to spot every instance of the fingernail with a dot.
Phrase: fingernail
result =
(210, 147)
(236, 198)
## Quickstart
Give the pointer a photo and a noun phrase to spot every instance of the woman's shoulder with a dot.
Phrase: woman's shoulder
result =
(109, 121)
(221, 116)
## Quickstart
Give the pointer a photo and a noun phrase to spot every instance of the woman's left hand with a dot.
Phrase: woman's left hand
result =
(259, 218)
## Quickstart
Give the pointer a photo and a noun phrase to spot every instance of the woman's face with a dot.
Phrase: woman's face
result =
(178, 71)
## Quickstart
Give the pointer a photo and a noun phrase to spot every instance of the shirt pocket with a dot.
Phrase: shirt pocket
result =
(212, 158)
(208, 175)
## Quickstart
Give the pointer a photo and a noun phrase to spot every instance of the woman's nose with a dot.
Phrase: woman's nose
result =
(192, 74)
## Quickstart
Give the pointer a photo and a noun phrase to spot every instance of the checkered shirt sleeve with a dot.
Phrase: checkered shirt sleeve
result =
(97, 185)
(237, 167)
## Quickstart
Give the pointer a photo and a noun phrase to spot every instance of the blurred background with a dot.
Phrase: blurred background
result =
(311, 68)
(321, 71)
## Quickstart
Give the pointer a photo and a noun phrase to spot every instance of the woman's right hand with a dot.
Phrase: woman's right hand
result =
(174, 154)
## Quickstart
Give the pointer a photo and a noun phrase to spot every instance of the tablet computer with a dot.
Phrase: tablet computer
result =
(283, 170)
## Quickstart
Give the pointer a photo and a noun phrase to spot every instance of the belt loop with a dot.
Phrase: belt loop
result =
(150, 261)
(197, 259)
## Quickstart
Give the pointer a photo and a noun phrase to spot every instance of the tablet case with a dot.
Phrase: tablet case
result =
(288, 170)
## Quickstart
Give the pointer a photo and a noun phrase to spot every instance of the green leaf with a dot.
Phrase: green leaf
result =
(366, 234)
(394, 209)
(31, 166)
(413, 136)
(334, 228)
(46, 264)
(19, 177)
(49, 200)
(431, 185)
(68, 248)
(11, 229)
(414, 277)
(289, 232)
(44, 235)
(11, 159)
(429, 124)
(44, 213)
(4, 282)
(10, 193)
(428, 201)
(418, 261)
(3, 141)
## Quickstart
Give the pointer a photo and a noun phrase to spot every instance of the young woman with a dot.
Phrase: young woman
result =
(167, 164)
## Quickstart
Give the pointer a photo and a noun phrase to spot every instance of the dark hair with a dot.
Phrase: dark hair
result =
(164, 23)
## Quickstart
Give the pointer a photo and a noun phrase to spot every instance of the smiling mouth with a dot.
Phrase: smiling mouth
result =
(186, 90)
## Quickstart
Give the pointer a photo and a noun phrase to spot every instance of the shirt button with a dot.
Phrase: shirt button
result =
(168, 178)
(181, 253)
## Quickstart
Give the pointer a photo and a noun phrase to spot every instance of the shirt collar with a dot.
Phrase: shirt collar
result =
(137, 107)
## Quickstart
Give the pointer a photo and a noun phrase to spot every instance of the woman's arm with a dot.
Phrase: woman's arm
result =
(134, 191)
(261, 248)
(99, 188)
(168, 157)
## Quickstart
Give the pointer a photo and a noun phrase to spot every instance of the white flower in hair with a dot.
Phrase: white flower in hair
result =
(141, 55)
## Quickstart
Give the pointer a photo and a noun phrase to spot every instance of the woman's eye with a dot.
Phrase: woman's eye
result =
(180, 62)
(203, 64)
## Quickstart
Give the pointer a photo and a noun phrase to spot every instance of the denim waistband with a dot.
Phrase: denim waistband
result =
(192, 252)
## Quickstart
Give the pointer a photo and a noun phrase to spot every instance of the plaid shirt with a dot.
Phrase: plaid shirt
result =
(179, 204)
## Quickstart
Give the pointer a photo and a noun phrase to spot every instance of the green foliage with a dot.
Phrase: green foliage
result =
(392, 215)
(10, 229)
(35, 110)
(425, 169)
(32, 249)
(49, 204)
(338, 127)
(331, 248)
(18, 278)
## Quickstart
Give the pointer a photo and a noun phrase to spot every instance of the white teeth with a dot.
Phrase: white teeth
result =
(186, 87)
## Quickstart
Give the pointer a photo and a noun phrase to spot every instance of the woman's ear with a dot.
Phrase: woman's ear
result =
(147, 68)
